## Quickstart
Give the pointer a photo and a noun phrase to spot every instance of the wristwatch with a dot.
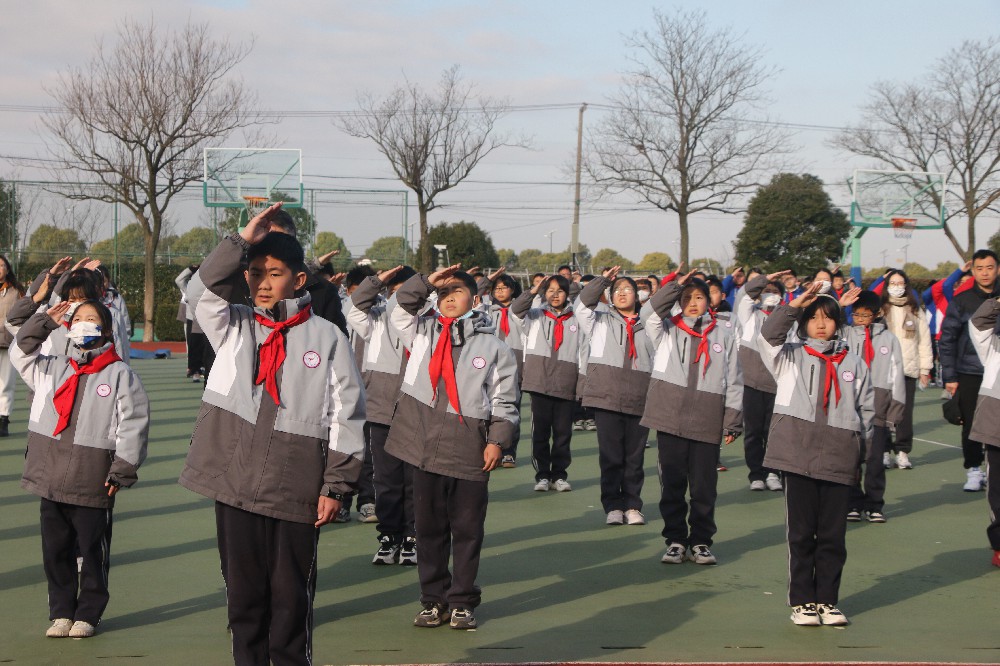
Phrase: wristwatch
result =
(334, 495)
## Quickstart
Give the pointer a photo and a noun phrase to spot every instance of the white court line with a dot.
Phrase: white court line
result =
(931, 441)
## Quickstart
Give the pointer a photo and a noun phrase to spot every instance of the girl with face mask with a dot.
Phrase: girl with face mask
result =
(905, 319)
(10, 291)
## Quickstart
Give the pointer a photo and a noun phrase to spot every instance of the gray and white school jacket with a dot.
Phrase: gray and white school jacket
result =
(515, 340)
(983, 332)
(247, 452)
(803, 438)
(108, 429)
(547, 371)
(684, 398)
(615, 382)
(751, 317)
(886, 372)
(384, 357)
(426, 431)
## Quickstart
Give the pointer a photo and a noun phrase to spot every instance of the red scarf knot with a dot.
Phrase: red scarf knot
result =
(272, 351)
(678, 321)
(65, 395)
(557, 331)
(442, 365)
(829, 373)
(630, 323)
(869, 350)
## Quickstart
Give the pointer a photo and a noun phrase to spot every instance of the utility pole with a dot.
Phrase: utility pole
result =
(575, 238)
(549, 236)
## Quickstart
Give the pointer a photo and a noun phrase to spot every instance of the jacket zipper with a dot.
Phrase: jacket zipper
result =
(812, 373)
(684, 349)
(256, 362)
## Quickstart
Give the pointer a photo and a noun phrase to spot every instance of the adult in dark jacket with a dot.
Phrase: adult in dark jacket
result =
(961, 368)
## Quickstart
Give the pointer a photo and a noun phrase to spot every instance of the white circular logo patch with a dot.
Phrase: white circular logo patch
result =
(883, 350)
(311, 359)
(848, 376)
(104, 390)
(717, 348)
(572, 328)
(729, 324)
(479, 363)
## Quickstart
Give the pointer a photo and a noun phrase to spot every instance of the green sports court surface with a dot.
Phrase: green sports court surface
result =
(558, 585)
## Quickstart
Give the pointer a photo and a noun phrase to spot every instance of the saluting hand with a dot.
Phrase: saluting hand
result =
(260, 225)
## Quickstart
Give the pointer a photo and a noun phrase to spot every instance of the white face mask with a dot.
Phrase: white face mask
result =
(824, 286)
(643, 295)
(770, 301)
(897, 291)
(84, 333)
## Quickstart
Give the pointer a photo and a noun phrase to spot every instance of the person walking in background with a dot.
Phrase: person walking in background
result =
(10, 291)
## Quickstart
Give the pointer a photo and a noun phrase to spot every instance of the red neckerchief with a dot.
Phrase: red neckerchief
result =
(830, 373)
(557, 332)
(442, 364)
(272, 352)
(65, 395)
(869, 350)
(505, 321)
(678, 321)
(630, 323)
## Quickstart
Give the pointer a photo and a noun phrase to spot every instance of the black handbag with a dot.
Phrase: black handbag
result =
(952, 414)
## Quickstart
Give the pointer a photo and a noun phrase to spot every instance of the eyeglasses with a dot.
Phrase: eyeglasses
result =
(625, 291)
(863, 317)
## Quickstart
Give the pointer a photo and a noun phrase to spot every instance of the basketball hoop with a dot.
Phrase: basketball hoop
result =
(902, 227)
(255, 206)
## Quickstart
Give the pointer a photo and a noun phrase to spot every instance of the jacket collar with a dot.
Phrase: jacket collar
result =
(479, 322)
(824, 346)
(84, 356)
(286, 308)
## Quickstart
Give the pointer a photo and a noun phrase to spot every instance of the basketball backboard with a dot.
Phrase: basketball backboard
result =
(234, 176)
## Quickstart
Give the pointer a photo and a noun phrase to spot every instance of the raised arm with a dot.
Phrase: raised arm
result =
(411, 298)
(665, 298)
(25, 351)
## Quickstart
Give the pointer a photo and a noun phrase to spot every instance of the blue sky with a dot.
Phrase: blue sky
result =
(315, 55)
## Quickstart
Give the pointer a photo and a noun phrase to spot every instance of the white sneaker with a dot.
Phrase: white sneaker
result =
(60, 628)
(757, 485)
(806, 615)
(974, 480)
(701, 555)
(542, 485)
(562, 485)
(634, 517)
(675, 554)
(615, 517)
(81, 629)
(774, 482)
(903, 461)
(831, 615)
(887, 460)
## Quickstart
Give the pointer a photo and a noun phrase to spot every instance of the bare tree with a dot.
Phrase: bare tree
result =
(687, 132)
(948, 121)
(136, 117)
(432, 139)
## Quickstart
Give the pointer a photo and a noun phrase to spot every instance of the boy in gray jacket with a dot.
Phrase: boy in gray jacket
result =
(456, 413)
(87, 435)
(278, 441)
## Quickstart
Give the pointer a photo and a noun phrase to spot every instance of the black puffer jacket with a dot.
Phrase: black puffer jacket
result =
(955, 349)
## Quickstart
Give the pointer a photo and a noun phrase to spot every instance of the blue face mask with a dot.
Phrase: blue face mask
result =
(83, 334)
(468, 314)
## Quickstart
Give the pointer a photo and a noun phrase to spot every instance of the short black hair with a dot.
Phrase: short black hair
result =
(284, 220)
(85, 280)
(559, 280)
(713, 281)
(401, 276)
(869, 300)
(584, 279)
(512, 284)
(282, 247)
(828, 305)
(537, 275)
(468, 281)
(644, 281)
(357, 275)
(564, 267)
(984, 254)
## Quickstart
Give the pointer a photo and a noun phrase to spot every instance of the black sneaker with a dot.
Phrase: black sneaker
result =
(408, 552)
(388, 550)
(463, 618)
(433, 615)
